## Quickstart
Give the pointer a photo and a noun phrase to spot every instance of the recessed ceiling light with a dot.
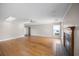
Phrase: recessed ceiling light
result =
(10, 18)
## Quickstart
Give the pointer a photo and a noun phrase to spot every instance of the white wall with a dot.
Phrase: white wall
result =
(72, 18)
(10, 30)
(42, 30)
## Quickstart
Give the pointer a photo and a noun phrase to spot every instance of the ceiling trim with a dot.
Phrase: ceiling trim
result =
(68, 9)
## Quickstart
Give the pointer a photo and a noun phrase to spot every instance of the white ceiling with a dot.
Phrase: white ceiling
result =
(35, 11)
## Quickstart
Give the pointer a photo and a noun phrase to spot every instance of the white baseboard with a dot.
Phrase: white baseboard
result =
(11, 38)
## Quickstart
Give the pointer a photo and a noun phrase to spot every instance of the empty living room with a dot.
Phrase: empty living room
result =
(39, 29)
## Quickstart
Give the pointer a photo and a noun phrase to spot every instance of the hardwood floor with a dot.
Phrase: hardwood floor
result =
(29, 46)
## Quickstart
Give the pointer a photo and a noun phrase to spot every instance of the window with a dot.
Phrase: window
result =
(56, 30)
